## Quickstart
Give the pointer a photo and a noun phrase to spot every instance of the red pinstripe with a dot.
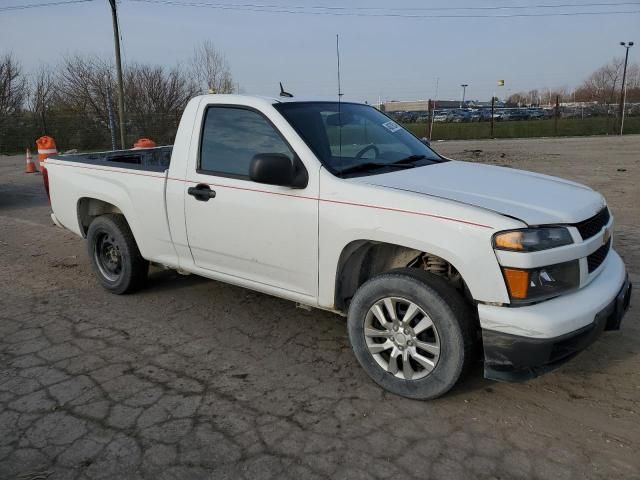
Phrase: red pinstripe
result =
(325, 200)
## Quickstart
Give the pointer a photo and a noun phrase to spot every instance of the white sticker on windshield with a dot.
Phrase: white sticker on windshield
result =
(391, 126)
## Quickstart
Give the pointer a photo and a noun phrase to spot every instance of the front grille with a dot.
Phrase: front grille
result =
(592, 226)
(596, 258)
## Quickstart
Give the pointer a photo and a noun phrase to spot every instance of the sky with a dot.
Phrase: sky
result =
(388, 57)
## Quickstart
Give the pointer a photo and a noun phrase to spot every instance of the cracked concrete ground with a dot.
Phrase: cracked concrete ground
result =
(194, 379)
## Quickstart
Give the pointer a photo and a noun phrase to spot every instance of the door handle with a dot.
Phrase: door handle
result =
(201, 192)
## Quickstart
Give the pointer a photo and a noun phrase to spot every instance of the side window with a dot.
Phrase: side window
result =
(232, 136)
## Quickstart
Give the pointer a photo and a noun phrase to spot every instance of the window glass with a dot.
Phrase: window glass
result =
(232, 136)
(348, 140)
(355, 138)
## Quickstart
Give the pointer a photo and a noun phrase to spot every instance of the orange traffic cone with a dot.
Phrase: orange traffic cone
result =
(29, 167)
(46, 146)
(144, 143)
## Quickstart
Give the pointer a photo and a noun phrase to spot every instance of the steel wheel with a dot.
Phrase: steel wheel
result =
(402, 338)
(107, 256)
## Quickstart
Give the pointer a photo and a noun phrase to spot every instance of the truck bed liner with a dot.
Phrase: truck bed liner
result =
(150, 159)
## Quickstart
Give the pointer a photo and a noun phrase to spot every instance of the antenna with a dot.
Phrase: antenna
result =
(339, 97)
(283, 93)
(338, 57)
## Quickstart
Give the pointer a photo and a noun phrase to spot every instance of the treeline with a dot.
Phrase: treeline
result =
(602, 87)
(76, 100)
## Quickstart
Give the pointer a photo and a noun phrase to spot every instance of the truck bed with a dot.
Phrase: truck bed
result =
(151, 159)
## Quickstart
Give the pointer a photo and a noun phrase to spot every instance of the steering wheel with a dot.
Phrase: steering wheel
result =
(366, 149)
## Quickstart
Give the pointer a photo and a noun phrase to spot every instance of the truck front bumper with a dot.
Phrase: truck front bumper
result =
(534, 342)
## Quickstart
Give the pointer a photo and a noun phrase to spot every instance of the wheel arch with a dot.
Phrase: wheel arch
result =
(89, 208)
(363, 259)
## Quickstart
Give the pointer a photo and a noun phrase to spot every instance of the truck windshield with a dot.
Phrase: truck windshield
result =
(354, 139)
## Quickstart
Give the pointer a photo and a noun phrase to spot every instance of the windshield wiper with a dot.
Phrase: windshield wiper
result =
(362, 167)
(410, 159)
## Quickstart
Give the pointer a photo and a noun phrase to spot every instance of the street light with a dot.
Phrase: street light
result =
(464, 90)
(623, 92)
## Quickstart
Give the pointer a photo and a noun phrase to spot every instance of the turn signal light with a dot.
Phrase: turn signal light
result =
(537, 284)
(517, 282)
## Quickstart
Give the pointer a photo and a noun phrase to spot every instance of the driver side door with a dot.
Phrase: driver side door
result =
(263, 234)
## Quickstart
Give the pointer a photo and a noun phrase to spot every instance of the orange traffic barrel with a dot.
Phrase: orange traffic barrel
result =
(29, 167)
(46, 147)
(144, 143)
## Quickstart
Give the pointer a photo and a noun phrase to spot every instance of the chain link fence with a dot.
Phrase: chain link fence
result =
(83, 132)
(526, 122)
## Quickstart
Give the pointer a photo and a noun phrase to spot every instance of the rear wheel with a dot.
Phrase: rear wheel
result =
(115, 256)
(411, 332)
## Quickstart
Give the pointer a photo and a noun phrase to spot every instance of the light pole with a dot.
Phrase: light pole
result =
(623, 92)
(464, 90)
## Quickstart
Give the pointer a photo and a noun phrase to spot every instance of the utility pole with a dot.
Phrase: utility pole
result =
(112, 123)
(623, 92)
(433, 109)
(116, 38)
(464, 91)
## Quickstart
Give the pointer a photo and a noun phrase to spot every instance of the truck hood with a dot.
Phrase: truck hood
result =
(534, 198)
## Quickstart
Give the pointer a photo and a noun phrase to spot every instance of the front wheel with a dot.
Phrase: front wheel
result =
(115, 256)
(411, 332)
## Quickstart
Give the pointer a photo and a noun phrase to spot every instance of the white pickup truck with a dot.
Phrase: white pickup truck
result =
(436, 263)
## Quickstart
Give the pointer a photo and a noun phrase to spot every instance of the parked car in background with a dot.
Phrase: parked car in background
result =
(442, 117)
(536, 113)
(485, 115)
(499, 115)
(475, 116)
(460, 116)
(516, 114)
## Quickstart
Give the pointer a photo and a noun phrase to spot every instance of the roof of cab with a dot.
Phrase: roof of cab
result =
(236, 98)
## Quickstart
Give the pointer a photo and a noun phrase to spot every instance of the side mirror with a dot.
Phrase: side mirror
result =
(277, 169)
(426, 141)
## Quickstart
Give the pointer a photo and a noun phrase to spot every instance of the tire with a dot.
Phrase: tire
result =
(453, 331)
(115, 256)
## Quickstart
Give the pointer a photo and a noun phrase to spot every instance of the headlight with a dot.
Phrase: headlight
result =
(538, 284)
(532, 239)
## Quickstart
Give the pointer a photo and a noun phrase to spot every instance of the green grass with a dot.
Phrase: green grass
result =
(524, 129)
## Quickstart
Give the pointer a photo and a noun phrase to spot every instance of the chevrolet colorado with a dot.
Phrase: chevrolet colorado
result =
(436, 263)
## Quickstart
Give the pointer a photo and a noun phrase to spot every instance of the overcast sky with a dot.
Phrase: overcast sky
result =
(391, 57)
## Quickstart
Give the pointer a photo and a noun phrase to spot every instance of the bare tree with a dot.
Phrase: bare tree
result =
(633, 83)
(604, 84)
(518, 98)
(211, 69)
(13, 86)
(155, 99)
(13, 92)
(534, 97)
(84, 83)
(41, 96)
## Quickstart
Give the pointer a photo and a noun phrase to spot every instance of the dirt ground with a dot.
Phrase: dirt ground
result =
(192, 378)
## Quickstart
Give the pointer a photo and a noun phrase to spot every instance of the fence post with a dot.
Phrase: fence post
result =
(429, 119)
(493, 106)
(557, 114)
